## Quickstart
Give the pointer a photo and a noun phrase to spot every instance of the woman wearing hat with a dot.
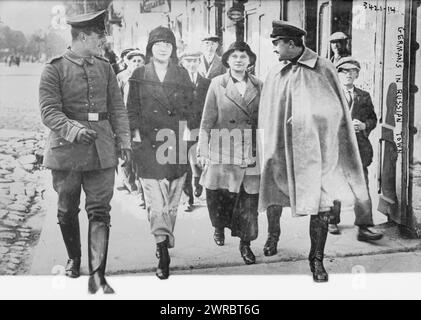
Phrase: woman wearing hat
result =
(227, 147)
(159, 95)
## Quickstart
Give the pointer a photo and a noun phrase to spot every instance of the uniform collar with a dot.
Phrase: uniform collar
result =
(308, 58)
(75, 58)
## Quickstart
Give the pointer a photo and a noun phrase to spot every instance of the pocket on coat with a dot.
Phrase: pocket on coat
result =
(59, 143)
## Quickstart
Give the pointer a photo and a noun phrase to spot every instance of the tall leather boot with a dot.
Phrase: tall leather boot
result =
(98, 236)
(318, 236)
(163, 269)
(274, 230)
(71, 236)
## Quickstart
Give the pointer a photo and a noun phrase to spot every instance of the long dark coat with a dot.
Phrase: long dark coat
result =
(199, 95)
(156, 107)
(362, 109)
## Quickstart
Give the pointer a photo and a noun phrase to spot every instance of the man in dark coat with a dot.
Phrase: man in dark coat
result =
(81, 104)
(339, 45)
(190, 60)
(364, 120)
(210, 63)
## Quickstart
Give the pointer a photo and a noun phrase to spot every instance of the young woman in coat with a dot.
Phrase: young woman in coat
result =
(226, 146)
(160, 96)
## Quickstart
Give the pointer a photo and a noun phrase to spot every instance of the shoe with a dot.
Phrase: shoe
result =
(246, 253)
(198, 189)
(73, 268)
(271, 246)
(163, 269)
(333, 229)
(188, 207)
(365, 234)
(318, 236)
(71, 236)
(98, 235)
(219, 236)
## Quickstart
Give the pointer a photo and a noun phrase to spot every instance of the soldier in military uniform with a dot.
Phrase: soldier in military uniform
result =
(81, 104)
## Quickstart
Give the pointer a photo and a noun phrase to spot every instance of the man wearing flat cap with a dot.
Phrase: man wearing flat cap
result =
(309, 153)
(190, 60)
(81, 104)
(210, 63)
(339, 45)
(364, 121)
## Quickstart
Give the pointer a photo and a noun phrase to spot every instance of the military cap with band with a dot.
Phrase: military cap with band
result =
(348, 63)
(338, 36)
(93, 19)
(285, 30)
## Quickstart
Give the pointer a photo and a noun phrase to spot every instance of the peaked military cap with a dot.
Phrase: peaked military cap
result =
(284, 29)
(93, 19)
(338, 36)
(348, 63)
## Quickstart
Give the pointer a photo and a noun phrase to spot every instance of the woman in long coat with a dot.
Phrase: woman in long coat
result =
(226, 147)
(159, 96)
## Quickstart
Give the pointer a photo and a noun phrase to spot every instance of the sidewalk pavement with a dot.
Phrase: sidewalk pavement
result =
(132, 247)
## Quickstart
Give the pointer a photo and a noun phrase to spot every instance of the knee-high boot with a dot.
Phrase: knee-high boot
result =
(98, 236)
(274, 230)
(71, 236)
(318, 236)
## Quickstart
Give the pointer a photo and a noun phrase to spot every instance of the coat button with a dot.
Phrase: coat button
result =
(155, 111)
(153, 146)
(155, 129)
(170, 113)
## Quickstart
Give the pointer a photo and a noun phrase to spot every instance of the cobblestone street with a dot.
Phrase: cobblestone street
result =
(21, 186)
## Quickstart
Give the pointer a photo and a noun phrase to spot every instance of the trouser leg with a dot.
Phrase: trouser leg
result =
(364, 211)
(162, 200)
(67, 184)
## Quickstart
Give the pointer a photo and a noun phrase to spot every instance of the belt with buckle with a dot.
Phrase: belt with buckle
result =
(88, 116)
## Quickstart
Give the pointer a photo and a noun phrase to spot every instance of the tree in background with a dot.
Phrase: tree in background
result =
(84, 6)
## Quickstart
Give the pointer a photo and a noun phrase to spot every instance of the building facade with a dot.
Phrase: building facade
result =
(385, 37)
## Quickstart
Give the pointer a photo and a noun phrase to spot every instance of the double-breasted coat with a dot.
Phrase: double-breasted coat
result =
(73, 86)
(362, 109)
(227, 113)
(160, 110)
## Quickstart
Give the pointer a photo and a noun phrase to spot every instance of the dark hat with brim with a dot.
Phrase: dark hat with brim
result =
(285, 30)
(88, 20)
(338, 36)
(240, 46)
(211, 37)
(161, 34)
(348, 63)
